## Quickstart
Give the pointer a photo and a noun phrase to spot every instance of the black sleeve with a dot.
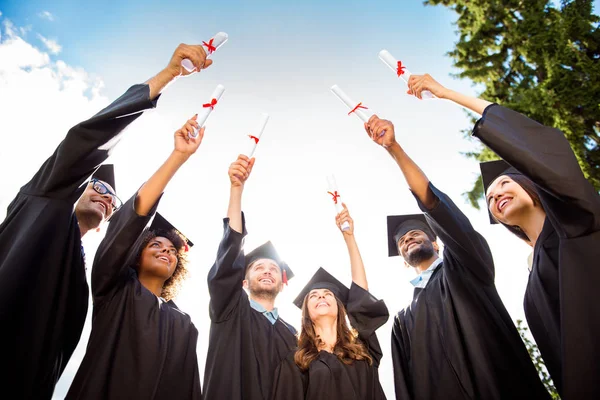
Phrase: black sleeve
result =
(115, 252)
(289, 382)
(227, 273)
(459, 237)
(86, 146)
(400, 362)
(367, 314)
(544, 155)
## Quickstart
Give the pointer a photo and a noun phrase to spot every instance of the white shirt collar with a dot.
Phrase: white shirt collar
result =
(420, 281)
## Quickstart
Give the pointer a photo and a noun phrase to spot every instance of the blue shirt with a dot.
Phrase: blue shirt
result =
(421, 280)
(271, 315)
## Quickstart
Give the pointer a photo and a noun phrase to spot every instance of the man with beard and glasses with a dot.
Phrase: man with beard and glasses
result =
(455, 340)
(247, 339)
(43, 287)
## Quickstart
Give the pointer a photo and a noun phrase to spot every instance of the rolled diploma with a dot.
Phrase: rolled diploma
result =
(349, 102)
(391, 62)
(264, 118)
(331, 184)
(205, 111)
(218, 40)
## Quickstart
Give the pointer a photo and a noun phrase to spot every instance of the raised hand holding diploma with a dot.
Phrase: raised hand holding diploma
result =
(381, 131)
(255, 137)
(240, 170)
(355, 108)
(211, 46)
(184, 144)
(343, 219)
(207, 108)
(337, 202)
(402, 72)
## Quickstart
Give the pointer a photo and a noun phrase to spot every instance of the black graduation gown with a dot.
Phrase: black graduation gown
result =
(456, 340)
(244, 347)
(140, 347)
(43, 288)
(560, 300)
(327, 377)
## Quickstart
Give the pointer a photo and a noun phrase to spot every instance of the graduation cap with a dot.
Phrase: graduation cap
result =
(491, 170)
(106, 173)
(323, 280)
(159, 223)
(267, 250)
(400, 225)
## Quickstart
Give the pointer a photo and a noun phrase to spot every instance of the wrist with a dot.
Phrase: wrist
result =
(446, 93)
(394, 148)
(170, 73)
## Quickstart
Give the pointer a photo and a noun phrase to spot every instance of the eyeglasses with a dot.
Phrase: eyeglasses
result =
(101, 188)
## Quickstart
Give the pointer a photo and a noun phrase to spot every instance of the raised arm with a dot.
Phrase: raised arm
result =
(448, 222)
(227, 273)
(113, 256)
(359, 276)
(89, 143)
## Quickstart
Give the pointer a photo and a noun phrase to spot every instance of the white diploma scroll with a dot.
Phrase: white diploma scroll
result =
(254, 137)
(208, 107)
(211, 46)
(355, 108)
(337, 200)
(401, 71)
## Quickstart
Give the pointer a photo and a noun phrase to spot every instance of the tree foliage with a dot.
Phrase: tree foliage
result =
(536, 357)
(537, 57)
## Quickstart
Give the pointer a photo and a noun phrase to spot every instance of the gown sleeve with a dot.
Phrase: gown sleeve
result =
(227, 273)
(400, 361)
(367, 314)
(289, 382)
(459, 237)
(118, 248)
(544, 155)
(86, 146)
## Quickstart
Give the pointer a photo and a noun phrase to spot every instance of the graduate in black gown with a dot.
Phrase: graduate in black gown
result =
(43, 288)
(541, 196)
(248, 339)
(141, 345)
(456, 340)
(333, 360)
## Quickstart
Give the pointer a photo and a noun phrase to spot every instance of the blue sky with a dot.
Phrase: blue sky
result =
(281, 58)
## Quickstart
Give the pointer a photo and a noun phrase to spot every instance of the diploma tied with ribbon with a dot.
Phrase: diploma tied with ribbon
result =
(255, 136)
(207, 108)
(337, 201)
(355, 108)
(401, 71)
(211, 46)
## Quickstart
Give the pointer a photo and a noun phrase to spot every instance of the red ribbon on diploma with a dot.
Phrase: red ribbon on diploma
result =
(254, 138)
(359, 105)
(401, 68)
(335, 196)
(209, 46)
(212, 104)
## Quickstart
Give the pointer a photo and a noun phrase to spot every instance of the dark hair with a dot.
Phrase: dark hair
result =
(173, 284)
(348, 347)
(529, 188)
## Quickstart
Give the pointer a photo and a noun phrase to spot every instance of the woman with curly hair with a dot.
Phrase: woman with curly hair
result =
(539, 193)
(141, 345)
(335, 360)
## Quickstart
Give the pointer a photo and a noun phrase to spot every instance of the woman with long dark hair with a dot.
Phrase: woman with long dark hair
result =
(540, 194)
(141, 345)
(335, 360)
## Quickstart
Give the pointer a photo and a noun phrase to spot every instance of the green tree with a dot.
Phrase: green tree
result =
(537, 57)
(536, 357)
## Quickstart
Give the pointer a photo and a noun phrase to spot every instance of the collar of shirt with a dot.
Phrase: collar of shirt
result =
(270, 315)
(421, 280)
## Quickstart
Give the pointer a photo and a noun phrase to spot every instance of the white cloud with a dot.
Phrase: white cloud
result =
(46, 15)
(52, 45)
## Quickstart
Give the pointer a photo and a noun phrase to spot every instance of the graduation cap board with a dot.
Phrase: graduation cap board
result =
(323, 280)
(268, 251)
(491, 170)
(106, 173)
(159, 223)
(400, 225)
